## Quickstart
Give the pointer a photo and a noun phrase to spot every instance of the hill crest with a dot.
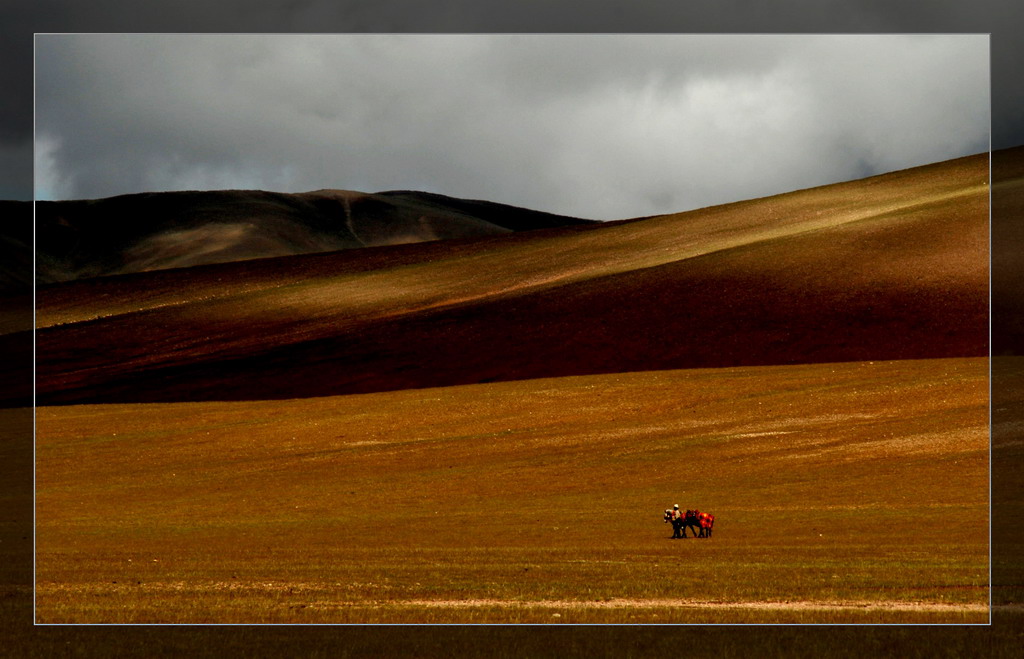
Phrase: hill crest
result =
(161, 230)
(892, 267)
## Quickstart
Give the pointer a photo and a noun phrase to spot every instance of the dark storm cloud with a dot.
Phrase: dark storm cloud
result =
(18, 20)
(602, 126)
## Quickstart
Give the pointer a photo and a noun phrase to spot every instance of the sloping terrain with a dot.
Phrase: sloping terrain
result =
(890, 267)
(15, 246)
(852, 492)
(155, 231)
(1008, 252)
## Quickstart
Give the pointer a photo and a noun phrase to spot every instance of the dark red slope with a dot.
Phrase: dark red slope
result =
(906, 285)
(1008, 252)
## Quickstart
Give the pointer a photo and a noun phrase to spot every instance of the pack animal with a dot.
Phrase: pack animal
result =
(703, 521)
(681, 521)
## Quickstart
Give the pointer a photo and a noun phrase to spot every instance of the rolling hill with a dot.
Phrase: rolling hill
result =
(1007, 238)
(15, 246)
(691, 358)
(160, 230)
(886, 268)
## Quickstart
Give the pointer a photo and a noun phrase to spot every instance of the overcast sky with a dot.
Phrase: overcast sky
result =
(595, 126)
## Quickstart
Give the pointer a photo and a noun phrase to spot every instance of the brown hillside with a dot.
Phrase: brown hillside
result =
(156, 231)
(891, 267)
(1008, 252)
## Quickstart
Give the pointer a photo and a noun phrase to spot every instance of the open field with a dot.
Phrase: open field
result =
(853, 492)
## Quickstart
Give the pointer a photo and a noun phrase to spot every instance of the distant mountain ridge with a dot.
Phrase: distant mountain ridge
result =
(160, 230)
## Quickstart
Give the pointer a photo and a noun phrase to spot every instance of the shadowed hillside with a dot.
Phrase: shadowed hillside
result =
(1007, 252)
(15, 246)
(890, 267)
(154, 231)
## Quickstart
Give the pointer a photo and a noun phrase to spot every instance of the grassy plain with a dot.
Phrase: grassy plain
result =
(854, 492)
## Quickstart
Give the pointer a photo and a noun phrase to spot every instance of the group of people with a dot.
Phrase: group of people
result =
(701, 523)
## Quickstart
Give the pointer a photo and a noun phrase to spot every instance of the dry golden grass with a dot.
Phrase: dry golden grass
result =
(844, 493)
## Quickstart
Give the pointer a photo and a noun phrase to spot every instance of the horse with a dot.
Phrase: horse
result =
(703, 521)
(680, 522)
(677, 524)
